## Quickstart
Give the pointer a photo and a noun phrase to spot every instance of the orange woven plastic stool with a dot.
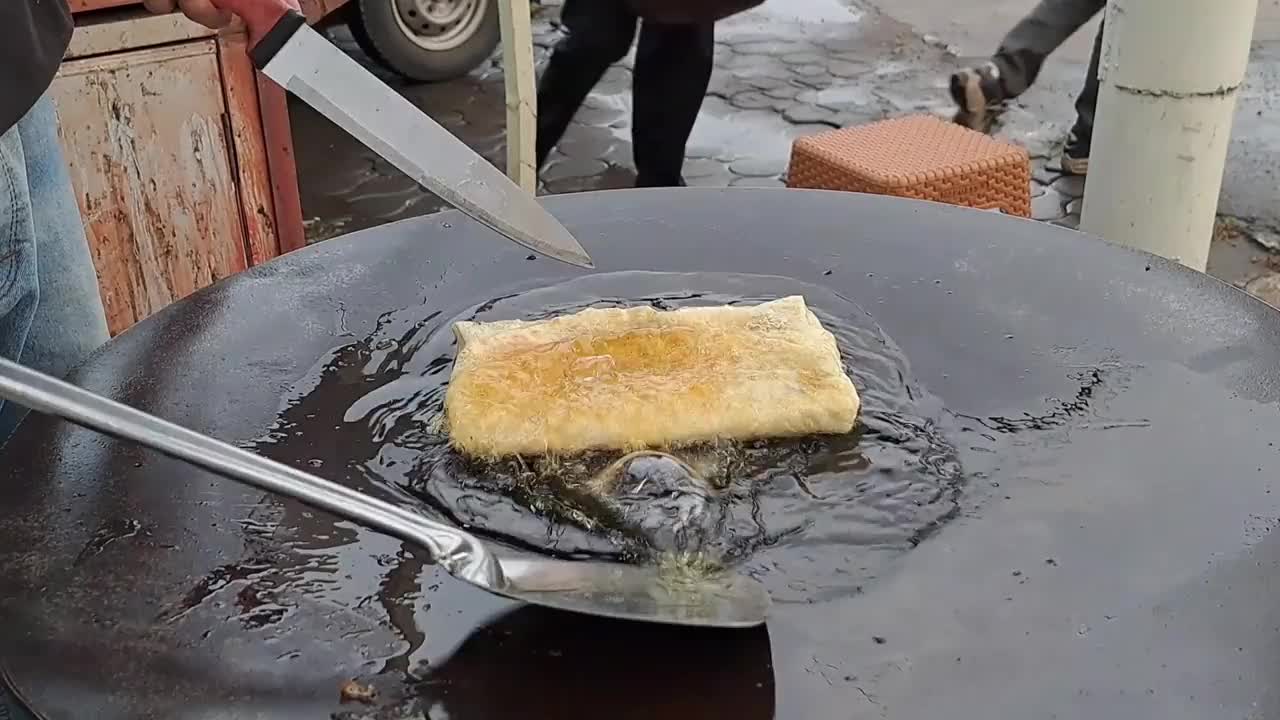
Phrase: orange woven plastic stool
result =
(920, 157)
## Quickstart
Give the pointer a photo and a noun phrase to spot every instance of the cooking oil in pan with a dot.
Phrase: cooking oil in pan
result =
(809, 517)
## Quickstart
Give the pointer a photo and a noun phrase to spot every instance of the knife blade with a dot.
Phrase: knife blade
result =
(306, 64)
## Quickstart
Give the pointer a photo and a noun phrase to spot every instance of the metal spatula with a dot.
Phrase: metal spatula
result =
(631, 592)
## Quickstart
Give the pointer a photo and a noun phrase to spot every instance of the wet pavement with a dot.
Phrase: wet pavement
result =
(792, 68)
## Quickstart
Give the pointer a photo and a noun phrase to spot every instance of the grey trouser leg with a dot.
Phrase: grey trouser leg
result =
(1036, 36)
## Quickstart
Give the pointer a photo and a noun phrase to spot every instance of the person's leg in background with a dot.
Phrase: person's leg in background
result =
(672, 73)
(1075, 157)
(51, 314)
(598, 34)
(1016, 64)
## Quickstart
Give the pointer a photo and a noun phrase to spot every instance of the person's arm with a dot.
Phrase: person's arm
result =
(257, 14)
(202, 11)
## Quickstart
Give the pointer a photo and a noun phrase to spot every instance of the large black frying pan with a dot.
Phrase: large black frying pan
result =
(1112, 561)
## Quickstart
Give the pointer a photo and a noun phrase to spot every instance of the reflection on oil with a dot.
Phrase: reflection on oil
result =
(537, 663)
(1061, 412)
(668, 502)
(828, 510)
(714, 674)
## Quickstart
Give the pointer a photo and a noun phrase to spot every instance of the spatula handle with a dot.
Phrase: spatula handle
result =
(457, 552)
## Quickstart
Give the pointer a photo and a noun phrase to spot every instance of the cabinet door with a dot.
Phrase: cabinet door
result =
(90, 5)
(145, 138)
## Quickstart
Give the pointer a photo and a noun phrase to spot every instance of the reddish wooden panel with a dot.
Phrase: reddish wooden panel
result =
(316, 10)
(134, 30)
(78, 6)
(240, 85)
(146, 141)
(290, 233)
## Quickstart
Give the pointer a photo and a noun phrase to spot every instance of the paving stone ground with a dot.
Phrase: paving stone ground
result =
(784, 70)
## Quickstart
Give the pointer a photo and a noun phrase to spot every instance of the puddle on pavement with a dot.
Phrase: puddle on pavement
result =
(830, 510)
(728, 133)
(797, 12)
(840, 96)
(721, 131)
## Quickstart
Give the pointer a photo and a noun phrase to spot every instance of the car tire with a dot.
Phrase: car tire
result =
(385, 36)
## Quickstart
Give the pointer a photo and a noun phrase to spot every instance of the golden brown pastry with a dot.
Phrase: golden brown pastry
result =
(626, 379)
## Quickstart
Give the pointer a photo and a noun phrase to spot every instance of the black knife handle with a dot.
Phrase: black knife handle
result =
(276, 37)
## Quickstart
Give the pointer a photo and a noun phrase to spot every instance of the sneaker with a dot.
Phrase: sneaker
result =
(977, 91)
(1075, 156)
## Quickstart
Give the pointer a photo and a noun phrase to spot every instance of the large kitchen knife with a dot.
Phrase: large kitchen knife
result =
(306, 64)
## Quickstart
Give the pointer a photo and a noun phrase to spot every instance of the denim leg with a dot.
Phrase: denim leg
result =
(67, 320)
(1036, 36)
(10, 708)
(19, 281)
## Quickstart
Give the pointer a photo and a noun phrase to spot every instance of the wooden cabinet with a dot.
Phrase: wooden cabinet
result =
(157, 188)
(79, 6)
(180, 156)
(315, 10)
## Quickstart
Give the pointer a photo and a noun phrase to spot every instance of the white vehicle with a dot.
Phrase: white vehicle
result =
(426, 40)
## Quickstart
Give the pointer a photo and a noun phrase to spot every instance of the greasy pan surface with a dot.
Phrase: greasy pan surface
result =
(1110, 559)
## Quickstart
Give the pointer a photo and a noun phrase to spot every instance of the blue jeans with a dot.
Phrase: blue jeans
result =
(51, 314)
(10, 708)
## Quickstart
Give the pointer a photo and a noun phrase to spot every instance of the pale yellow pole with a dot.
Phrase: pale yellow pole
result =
(521, 94)
(1170, 74)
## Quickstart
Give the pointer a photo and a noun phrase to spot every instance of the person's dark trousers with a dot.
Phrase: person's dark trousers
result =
(671, 74)
(1087, 100)
(1023, 51)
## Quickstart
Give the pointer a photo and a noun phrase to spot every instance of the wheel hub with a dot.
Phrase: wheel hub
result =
(439, 24)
